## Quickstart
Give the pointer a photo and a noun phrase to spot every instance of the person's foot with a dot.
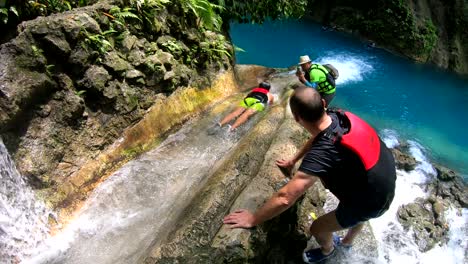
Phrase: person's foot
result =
(337, 241)
(316, 255)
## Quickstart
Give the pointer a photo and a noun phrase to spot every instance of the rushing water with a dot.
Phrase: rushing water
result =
(420, 102)
(405, 101)
(23, 220)
(138, 204)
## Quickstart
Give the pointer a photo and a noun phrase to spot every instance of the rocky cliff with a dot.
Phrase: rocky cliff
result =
(423, 30)
(76, 86)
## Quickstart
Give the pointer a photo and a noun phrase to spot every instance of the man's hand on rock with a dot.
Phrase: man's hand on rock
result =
(239, 219)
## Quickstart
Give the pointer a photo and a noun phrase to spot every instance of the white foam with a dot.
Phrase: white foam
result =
(397, 245)
(351, 68)
(23, 219)
(424, 167)
(390, 138)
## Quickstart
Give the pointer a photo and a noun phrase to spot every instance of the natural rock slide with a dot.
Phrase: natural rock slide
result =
(246, 177)
(167, 205)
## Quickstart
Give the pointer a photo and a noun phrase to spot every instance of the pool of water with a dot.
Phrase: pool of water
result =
(415, 101)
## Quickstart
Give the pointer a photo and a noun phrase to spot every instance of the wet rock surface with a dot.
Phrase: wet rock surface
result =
(66, 95)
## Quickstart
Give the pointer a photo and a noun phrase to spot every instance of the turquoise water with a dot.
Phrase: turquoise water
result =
(414, 101)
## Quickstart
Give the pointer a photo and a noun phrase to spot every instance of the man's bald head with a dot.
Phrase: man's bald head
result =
(307, 104)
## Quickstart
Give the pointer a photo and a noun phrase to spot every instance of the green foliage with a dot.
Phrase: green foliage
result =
(121, 16)
(260, 10)
(37, 51)
(131, 153)
(80, 93)
(50, 69)
(172, 46)
(5, 13)
(214, 49)
(29, 9)
(146, 12)
(207, 13)
(429, 35)
(97, 42)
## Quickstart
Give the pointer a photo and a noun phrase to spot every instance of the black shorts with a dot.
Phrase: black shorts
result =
(352, 214)
(376, 200)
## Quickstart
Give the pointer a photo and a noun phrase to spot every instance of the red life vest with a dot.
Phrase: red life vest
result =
(361, 139)
(260, 94)
(259, 90)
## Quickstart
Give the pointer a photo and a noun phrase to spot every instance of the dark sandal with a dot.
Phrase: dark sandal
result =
(315, 255)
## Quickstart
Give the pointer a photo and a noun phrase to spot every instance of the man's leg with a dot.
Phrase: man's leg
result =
(244, 117)
(239, 110)
(322, 229)
(351, 235)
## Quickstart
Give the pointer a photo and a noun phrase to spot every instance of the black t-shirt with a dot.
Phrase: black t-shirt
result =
(339, 168)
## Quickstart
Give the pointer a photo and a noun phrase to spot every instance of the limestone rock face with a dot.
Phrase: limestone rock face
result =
(69, 89)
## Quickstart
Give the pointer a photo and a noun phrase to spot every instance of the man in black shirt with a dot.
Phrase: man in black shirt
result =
(348, 157)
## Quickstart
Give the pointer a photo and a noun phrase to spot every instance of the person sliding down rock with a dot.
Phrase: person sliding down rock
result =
(349, 158)
(254, 102)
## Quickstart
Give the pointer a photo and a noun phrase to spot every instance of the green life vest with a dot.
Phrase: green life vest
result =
(324, 80)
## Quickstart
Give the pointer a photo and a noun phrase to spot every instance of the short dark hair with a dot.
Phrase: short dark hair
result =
(264, 85)
(306, 103)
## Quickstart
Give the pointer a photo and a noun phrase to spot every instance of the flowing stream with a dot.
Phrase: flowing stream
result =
(23, 219)
(137, 205)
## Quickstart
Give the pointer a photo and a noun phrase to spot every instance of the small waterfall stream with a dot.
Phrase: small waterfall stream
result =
(23, 219)
(137, 206)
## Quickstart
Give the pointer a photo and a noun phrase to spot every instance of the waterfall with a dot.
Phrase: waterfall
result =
(23, 219)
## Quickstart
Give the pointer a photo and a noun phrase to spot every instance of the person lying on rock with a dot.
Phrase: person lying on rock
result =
(254, 102)
(349, 158)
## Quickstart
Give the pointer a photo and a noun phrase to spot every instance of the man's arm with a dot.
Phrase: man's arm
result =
(302, 79)
(278, 203)
(289, 164)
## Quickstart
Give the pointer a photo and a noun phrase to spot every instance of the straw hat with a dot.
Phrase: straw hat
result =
(304, 59)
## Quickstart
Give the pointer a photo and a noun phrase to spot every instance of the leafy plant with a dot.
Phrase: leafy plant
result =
(80, 93)
(4, 13)
(214, 49)
(29, 9)
(260, 10)
(172, 46)
(430, 37)
(206, 13)
(37, 51)
(144, 12)
(49, 69)
(98, 42)
(121, 16)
